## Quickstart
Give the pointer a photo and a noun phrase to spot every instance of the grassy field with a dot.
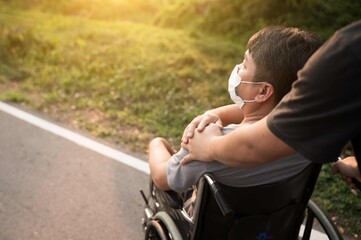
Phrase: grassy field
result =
(126, 79)
(121, 79)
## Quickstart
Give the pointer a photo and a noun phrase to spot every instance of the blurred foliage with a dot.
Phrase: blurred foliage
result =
(336, 199)
(137, 76)
(234, 18)
(95, 9)
(131, 70)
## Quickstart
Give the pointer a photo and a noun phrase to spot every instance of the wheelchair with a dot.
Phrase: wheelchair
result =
(274, 211)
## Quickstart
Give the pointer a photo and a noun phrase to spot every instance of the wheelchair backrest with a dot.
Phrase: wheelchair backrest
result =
(272, 211)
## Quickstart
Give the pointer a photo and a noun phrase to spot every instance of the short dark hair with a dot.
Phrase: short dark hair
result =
(279, 52)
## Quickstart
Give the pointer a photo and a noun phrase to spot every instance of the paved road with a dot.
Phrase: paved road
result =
(51, 188)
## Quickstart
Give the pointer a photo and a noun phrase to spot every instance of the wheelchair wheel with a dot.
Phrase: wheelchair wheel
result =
(314, 212)
(156, 231)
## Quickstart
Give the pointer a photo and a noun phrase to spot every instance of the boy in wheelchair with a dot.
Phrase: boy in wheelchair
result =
(270, 65)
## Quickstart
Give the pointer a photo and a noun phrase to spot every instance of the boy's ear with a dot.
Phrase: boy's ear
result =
(265, 92)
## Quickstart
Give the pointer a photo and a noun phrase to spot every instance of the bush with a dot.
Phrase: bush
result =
(234, 18)
(94, 9)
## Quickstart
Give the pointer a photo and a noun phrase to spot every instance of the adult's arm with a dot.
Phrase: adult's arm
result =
(245, 147)
(223, 116)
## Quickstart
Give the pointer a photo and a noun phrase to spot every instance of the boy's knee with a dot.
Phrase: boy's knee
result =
(156, 141)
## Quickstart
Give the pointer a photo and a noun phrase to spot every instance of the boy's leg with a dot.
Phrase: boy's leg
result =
(159, 149)
(158, 155)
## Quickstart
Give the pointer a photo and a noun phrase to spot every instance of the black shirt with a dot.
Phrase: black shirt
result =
(322, 112)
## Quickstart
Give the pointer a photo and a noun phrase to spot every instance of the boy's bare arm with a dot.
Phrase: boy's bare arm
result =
(223, 116)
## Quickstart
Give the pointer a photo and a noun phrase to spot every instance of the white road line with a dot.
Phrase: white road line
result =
(315, 235)
(76, 138)
(93, 145)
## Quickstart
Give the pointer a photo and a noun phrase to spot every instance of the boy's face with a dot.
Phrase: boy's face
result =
(249, 68)
(247, 73)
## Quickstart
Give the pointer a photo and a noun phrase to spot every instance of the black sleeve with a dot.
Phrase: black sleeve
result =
(323, 110)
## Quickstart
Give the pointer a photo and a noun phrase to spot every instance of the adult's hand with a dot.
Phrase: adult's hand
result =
(199, 146)
(348, 169)
(198, 124)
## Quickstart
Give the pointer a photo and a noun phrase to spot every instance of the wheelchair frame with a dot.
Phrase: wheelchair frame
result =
(166, 219)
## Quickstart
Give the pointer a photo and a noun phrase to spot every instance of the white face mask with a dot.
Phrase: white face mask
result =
(233, 82)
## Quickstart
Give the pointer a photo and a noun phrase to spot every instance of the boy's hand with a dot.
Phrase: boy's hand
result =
(199, 146)
(348, 169)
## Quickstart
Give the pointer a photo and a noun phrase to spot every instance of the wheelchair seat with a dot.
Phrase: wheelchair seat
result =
(272, 211)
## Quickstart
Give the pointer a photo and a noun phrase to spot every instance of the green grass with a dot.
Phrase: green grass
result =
(126, 76)
(145, 78)
(337, 200)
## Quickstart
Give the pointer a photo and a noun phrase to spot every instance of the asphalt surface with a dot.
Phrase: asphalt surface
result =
(51, 188)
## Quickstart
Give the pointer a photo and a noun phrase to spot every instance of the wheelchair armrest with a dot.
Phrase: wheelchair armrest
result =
(218, 195)
(174, 199)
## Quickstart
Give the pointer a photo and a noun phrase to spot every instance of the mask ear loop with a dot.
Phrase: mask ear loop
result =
(255, 83)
